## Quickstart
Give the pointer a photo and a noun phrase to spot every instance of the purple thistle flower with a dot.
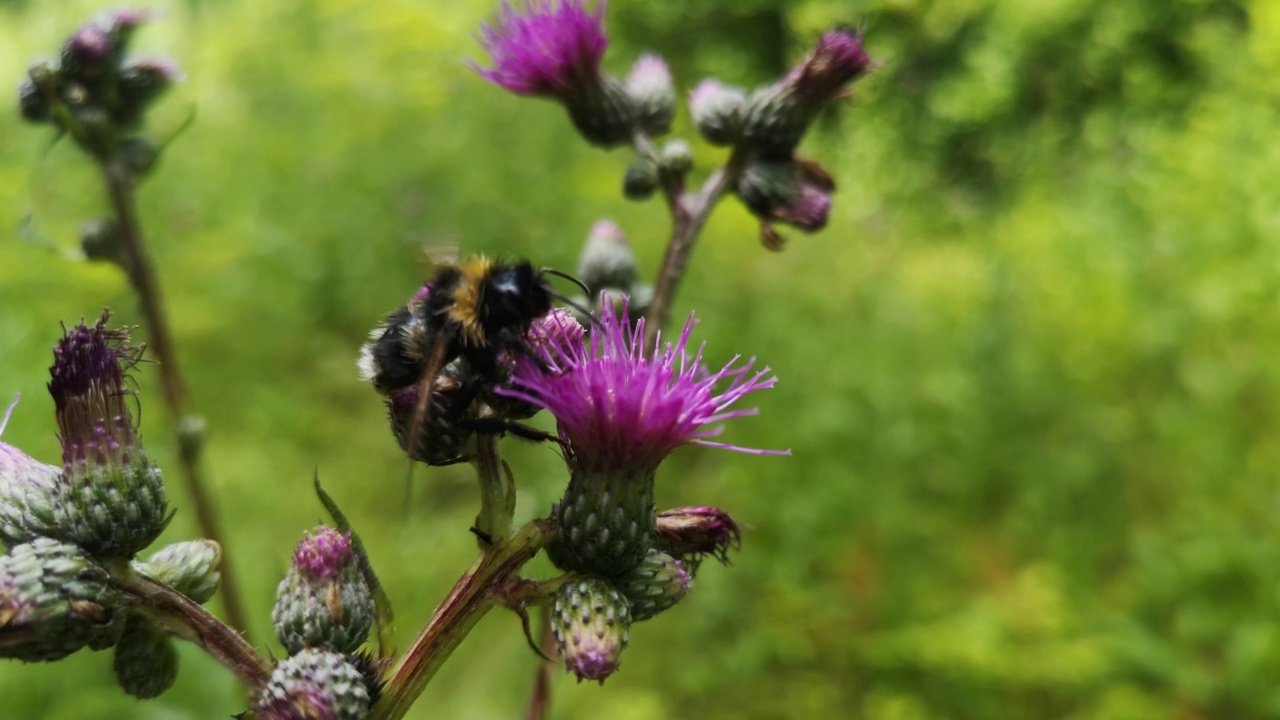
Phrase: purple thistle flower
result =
(623, 409)
(87, 382)
(838, 60)
(552, 49)
(323, 554)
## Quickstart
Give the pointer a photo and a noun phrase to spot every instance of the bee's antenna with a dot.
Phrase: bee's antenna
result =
(590, 315)
(581, 285)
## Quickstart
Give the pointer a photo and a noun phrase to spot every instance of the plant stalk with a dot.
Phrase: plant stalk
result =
(188, 428)
(474, 595)
(689, 214)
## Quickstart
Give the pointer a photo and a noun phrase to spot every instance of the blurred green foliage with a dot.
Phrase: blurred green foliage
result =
(1028, 372)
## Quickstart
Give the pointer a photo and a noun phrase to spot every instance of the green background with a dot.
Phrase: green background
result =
(1028, 373)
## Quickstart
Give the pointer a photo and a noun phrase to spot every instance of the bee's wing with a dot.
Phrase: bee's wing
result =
(442, 254)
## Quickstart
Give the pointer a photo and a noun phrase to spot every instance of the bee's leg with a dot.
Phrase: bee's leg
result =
(498, 426)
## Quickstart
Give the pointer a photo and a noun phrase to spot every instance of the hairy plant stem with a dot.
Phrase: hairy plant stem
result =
(188, 428)
(689, 214)
(184, 618)
(477, 592)
(496, 502)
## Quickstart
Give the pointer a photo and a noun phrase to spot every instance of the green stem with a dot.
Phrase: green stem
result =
(188, 427)
(494, 520)
(689, 214)
(184, 618)
(475, 594)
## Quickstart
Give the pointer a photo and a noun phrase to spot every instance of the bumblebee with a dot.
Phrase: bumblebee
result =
(469, 315)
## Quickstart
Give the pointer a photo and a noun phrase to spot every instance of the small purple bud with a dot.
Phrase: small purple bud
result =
(590, 620)
(694, 532)
(324, 599)
(777, 116)
(315, 685)
(86, 53)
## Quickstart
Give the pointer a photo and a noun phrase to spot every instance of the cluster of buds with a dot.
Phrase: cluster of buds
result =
(97, 93)
(607, 268)
(323, 613)
(765, 127)
(554, 48)
(70, 529)
(621, 411)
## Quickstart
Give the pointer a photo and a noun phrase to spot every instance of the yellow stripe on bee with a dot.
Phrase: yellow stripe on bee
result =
(464, 311)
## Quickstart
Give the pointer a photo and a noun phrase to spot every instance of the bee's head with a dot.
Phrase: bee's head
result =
(515, 295)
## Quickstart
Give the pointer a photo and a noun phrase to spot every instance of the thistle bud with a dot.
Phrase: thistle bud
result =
(652, 94)
(33, 103)
(607, 260)
(139, 84)
(27, 490)
(691, 533)
(87, 53)
(590, 620)
(53, 601)
(717, 111)
(659, 582)
(111, 498)
(315, 684)
(641, 179)
(324, 600)
(100, 239)
(192, 568)
(606, 117)
(146, 661)
(677, 157)
(797, 192)
(777, 116)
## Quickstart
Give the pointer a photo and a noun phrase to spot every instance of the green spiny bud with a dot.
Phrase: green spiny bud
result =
(53, 601)
(27, 489)
(659, 582)
(606, 116)
(650, 88)
(641, 179)
(146, 661)
(110, 496)
(315, 684)
(192, 568)
(606, 522)
(717, 111)
(324, 600)
(607, 260)
(33, 103)
(590, 620)
(140, 83)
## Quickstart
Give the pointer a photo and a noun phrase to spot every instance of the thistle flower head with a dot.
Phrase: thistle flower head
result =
(690, 533)
(622, 409)
(552, 48)
(838, 60)
(323, 554)
(87, 382)
(653, 93)
(607, 260)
